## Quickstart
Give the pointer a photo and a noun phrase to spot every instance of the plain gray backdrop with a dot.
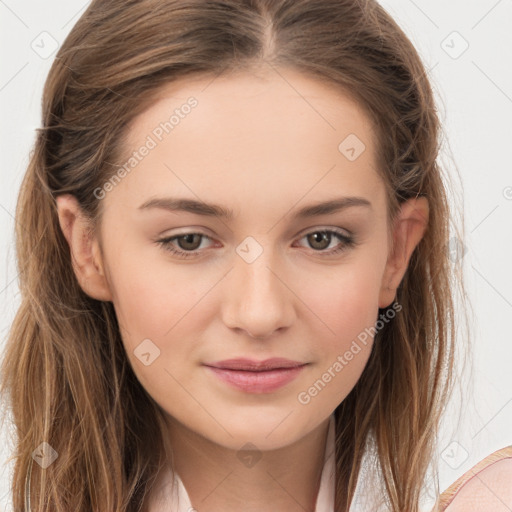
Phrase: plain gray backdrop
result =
(467, 47)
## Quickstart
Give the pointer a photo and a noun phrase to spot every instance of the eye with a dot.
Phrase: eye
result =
(187, 241)
(319, 240)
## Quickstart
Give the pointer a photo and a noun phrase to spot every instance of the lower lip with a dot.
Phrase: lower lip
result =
(257, 382)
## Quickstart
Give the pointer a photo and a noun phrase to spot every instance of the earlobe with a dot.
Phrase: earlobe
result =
(84, 248)
(409, 228)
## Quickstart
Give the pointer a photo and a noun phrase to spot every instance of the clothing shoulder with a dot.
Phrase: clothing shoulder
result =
(486, 487)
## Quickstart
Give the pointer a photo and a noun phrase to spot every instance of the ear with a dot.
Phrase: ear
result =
(408, 230)
(84, 247)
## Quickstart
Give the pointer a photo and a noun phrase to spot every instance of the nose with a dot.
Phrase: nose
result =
(258, 298)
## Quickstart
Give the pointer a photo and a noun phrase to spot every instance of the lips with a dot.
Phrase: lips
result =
(253, 376)
(255, 366)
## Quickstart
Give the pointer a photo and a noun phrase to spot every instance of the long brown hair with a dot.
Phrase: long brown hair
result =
(65, 372)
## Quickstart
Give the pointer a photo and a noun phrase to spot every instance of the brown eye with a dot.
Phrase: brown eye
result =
(183, 246)
(191, 241)
(319, 240)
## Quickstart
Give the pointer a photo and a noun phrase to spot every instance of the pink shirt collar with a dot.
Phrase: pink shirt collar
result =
(325, 498)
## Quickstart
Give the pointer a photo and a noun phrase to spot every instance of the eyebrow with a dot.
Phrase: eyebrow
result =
(214, 210)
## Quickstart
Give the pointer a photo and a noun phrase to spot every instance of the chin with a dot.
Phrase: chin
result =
(266, 432)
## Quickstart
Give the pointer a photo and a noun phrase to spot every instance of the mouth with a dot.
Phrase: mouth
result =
(241, 363)
(256, 377)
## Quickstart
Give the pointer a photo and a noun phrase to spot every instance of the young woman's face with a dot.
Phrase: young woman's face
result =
(263, 282)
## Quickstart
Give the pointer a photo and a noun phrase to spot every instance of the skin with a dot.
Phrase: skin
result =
(263, 146)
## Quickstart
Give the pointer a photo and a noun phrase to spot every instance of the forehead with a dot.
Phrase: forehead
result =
(274, 99)
(276, 133)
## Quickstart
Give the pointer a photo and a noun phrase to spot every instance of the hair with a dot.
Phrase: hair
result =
(65, 371)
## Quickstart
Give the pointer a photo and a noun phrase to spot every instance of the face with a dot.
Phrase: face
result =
(275, 278)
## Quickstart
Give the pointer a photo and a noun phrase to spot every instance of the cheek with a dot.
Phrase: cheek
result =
(345, 307)
(160, 307)
(142, 305)
(153, 308)
(146, 296)
(344, 301)
(345, 311)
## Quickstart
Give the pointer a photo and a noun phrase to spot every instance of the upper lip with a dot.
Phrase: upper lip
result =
(251, 364)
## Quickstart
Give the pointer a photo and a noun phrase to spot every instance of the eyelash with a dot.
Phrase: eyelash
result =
(348, 242)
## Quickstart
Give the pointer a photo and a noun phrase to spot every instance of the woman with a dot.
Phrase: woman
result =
(253, 130)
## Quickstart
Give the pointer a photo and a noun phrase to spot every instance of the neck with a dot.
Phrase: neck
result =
(286, 479)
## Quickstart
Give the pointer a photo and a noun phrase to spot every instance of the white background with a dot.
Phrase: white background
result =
(474, 94)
